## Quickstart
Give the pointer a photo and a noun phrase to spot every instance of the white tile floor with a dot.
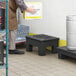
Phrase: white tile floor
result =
(30, 64)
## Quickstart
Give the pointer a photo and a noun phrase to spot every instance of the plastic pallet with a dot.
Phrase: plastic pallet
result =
(64, 52)
(41, 41)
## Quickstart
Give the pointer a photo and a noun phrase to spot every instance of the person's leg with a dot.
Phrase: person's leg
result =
(12, 46)
(12, 37)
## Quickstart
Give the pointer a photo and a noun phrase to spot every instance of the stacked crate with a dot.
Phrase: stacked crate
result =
(1, 52)
(2, 27)
(22, 32)
(2, 19)
(2, 14)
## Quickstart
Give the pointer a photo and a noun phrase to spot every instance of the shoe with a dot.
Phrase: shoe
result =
(16, 52)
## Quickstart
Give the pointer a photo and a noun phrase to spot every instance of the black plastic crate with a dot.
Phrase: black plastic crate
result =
(42, 41)
(1, 52)
(2, 18)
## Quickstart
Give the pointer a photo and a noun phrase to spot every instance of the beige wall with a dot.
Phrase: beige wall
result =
(54, 17)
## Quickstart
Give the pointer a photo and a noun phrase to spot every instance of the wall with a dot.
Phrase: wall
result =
(54, 17)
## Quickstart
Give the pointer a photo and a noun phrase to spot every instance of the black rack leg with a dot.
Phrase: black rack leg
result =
(29, 48)
(61, 56)
(41, 50)
(54, 50)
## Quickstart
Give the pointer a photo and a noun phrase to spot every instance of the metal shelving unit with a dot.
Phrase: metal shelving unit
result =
(5, 65)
